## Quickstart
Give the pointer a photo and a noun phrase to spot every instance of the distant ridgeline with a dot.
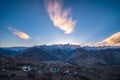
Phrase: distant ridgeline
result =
(75, 54)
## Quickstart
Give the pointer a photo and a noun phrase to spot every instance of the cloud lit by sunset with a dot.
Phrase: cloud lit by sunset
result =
(60, 17)
(19, 33)
(113, 40)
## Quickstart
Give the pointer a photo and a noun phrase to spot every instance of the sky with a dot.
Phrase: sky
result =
(39, 22)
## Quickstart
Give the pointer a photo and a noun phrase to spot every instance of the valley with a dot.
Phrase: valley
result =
(60, 62)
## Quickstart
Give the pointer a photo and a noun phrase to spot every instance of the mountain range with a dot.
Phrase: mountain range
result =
(106, 52)
(82, 56)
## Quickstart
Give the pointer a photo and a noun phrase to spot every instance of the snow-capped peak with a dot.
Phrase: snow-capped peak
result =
(66, 47)
(15, 48)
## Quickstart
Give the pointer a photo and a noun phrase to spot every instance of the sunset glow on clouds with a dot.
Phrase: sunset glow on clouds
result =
(113, 40)
(19, 33)
(60, 17)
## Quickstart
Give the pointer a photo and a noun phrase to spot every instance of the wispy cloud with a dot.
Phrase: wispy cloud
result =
(19, 33)
(60, 17)
(113, 40)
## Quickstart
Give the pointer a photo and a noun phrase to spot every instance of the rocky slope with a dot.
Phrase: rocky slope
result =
(84, 57)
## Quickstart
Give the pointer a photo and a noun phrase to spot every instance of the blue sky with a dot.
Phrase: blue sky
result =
(94, 20)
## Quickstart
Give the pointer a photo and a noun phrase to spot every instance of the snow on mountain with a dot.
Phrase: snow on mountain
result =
(11, 51)
(59, 51)
(17, 49)
(113, 40)
(100, 47)
(67, 47)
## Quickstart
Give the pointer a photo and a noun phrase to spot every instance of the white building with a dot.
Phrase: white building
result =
(26, 68)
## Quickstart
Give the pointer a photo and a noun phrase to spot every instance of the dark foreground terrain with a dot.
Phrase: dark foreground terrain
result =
(17, 69)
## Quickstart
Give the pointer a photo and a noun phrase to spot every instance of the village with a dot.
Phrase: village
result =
(21, 69)
(47, 70)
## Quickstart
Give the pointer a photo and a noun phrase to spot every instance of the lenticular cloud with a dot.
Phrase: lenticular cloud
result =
(60, 17)
(19, 33)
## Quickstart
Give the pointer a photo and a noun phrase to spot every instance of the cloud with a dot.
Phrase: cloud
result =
(60, 17)
(19, 33)
(113, 40)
